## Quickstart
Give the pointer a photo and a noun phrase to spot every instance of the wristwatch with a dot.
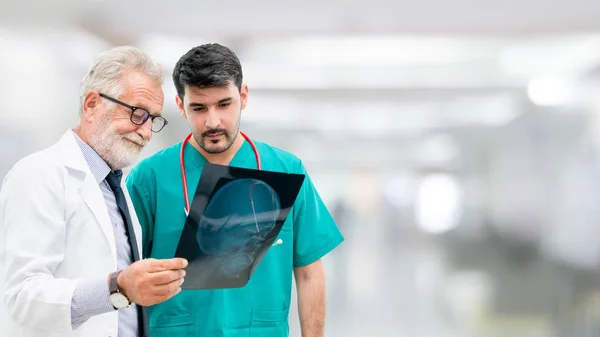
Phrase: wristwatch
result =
(116, 297)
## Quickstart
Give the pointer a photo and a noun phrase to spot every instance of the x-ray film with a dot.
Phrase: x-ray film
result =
(235, 216)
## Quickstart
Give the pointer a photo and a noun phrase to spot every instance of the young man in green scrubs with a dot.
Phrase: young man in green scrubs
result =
(211, 96)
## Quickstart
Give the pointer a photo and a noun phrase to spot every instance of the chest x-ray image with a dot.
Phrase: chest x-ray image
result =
(235, 216)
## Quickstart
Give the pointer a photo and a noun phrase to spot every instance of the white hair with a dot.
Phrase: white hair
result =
(103, 76)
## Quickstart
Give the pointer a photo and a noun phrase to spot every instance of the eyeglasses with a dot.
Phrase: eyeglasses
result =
(139, 116)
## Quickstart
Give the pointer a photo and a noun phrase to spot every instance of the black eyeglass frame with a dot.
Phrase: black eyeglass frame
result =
(145, 117)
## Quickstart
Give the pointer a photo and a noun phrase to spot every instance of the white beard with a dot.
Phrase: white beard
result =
(118, 151)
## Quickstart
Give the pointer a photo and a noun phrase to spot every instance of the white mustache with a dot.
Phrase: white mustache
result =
(134, 137)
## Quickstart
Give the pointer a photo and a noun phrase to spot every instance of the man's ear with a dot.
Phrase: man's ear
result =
(91, 101)
(244, 95)
(179, 103)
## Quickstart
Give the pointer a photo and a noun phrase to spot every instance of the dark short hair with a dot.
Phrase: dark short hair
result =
(207, 66)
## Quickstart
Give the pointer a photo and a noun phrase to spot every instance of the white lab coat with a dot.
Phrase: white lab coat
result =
(54, 231)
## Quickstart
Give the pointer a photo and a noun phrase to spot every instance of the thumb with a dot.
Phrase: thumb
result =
(178, 263)
(167, 264)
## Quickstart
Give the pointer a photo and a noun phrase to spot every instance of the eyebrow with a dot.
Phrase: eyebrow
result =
(224, 100)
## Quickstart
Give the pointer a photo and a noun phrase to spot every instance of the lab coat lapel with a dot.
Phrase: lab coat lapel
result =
(82, 179)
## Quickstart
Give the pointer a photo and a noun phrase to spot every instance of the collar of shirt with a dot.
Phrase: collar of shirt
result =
(98, 166)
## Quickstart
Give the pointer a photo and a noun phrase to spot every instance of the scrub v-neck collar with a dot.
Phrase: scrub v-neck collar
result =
(193, 157)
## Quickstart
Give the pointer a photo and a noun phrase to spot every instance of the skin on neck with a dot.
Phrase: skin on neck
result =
(223, 158)
(81, 133)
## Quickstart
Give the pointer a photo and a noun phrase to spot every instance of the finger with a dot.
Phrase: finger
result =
(179, 263)
(175, 287)
(166, 277)
(168, 264)
(168, 290)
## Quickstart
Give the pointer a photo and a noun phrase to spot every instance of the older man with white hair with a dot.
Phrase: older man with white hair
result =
(69, 238)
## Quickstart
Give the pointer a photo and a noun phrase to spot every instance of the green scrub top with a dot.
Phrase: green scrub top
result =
(261, 308)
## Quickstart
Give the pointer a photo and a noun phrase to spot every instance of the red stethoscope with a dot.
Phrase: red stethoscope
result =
(181, 161)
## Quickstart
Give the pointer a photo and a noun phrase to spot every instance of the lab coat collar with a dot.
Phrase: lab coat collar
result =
(72, 155)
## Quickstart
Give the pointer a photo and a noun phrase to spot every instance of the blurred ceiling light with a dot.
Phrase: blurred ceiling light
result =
(374, 50)
(264, 75)
(438, 203)
(376, 119)
(564, 54)
(550, 90)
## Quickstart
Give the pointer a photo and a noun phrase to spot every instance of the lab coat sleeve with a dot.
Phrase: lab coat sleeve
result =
(33, 231)
(315, 231)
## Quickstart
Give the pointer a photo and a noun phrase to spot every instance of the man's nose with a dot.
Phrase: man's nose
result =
(145, 130)
(212, 120)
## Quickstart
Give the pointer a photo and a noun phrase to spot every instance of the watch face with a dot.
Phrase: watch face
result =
(119, 301)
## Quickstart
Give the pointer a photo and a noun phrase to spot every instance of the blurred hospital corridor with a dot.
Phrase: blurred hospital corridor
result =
(456, 143)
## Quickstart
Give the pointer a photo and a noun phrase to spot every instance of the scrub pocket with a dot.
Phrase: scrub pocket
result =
(163, 326)
(269, 323)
